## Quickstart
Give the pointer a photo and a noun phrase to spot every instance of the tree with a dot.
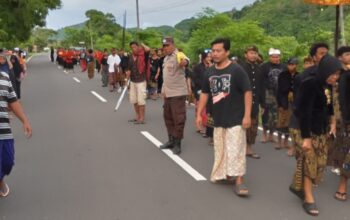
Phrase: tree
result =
(241, 35)
(106, 42)
(102, 24)
(19, 17)
(207, 29)
(119, 39)
(41, 36)
(73, 37)
(151, 38)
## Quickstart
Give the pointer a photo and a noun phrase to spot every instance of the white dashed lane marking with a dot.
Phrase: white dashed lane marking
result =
(98, 96)
(76, 79)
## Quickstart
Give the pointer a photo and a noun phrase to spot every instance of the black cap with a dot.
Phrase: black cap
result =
(328, 66)
(293, 60)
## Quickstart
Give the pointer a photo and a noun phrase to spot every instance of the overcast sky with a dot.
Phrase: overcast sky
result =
(152, 12)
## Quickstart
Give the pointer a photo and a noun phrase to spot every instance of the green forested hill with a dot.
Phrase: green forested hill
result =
(289, 17)
(61, 32)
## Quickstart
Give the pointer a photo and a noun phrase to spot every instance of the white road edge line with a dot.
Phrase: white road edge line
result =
(29, 58)
(76, 79)
(192, 172)
(98, 96)
(33, 55)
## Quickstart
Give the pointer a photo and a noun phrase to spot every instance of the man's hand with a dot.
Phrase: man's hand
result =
(145, 47)
(199, 122)
(190, 92)
(247, 122)
(307, 144)
(183, 63)
(27, 130)
(128, 74)
(262, 110)
(333, 130)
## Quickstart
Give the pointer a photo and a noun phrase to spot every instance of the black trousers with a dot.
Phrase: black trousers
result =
(174, 113)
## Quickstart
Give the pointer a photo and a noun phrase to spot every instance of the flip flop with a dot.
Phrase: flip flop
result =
(140, 123)
(291, 153)
(263, 141)
(272, 141)
(5, 192)
(239, 190)
(253, 155)
(340, 196)
(299, 194)
(310, 208)
(278, 148)
(132, 120)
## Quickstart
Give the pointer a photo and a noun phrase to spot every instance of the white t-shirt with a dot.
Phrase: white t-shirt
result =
(111, 61)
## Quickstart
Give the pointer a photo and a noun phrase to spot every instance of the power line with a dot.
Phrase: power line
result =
(169, 6)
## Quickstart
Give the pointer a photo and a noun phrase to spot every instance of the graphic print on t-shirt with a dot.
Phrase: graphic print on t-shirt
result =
(220, 87)
(273, 78)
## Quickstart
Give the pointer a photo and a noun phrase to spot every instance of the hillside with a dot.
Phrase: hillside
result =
(289, 17)
(61, 34)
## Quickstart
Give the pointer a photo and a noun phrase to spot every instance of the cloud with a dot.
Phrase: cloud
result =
(152, 12)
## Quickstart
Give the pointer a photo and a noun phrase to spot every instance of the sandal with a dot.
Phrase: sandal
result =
(139, 123)
(340, 196)
(278, 148)
(5, 192)
(310, 208)
(300, 194)
(241, 190)
(291, 152)
(132, 120)
(272, 140)
(253, 155)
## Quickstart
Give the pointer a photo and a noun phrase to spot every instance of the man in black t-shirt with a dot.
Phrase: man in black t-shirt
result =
(231, 94)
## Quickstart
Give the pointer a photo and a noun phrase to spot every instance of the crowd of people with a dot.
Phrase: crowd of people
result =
(307, 107)
(312, 108)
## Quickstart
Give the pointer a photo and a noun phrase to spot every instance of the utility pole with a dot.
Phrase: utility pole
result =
(124, 27)
(91, 40)
(342, 28)
(138, 14)
(337, 29)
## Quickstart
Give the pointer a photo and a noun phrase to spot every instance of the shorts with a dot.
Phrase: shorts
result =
(7, 157)
(138, 93)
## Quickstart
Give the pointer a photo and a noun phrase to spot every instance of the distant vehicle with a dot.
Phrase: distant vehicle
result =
(46, 48)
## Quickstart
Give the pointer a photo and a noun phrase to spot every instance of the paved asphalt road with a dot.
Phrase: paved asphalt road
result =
(85, 161)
